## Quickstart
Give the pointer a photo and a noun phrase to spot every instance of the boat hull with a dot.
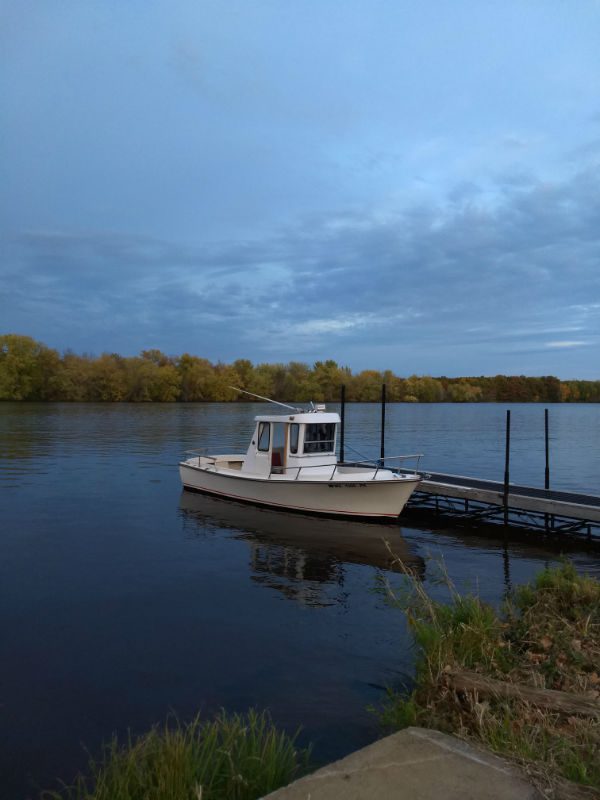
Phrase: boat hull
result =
(367, 498)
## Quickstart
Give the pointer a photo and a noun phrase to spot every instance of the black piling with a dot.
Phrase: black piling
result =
(343, 422)
(547, 470)
(548, 520)
(506, 466)
(382, 455)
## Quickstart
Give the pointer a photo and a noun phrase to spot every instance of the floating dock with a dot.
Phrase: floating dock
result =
(472, 500)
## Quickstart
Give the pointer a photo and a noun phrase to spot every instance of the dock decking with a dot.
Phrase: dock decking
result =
(476, 500)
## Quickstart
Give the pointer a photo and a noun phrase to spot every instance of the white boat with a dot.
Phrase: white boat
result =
(291, 464)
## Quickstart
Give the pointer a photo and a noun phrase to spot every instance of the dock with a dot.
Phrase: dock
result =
(463, 500)
(472, 500)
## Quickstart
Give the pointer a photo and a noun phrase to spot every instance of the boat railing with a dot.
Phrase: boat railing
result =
(379, 463)
(376, 464)
(199, 454)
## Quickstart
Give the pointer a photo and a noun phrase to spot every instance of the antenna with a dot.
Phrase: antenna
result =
(268, 399)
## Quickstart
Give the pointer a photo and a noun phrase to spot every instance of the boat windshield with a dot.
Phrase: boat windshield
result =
(319, 437)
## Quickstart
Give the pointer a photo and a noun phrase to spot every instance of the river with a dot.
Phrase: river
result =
(122, 598)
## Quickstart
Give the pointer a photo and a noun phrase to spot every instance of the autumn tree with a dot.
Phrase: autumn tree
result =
(197, 378)
(31, 371)
(108, 378)
(26, 368)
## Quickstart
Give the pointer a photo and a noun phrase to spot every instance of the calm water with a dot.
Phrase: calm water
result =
(122, 598)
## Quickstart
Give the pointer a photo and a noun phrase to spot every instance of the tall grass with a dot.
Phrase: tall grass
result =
(233, 757)
(547, 636)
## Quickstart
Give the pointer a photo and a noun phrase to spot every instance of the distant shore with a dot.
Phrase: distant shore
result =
(31, 371)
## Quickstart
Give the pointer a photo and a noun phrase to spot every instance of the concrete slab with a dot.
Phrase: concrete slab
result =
(414, 764)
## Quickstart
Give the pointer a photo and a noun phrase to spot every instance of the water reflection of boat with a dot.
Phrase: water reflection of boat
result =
(314, 545)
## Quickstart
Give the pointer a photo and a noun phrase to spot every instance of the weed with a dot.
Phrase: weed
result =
(235, 757)
(547, 636)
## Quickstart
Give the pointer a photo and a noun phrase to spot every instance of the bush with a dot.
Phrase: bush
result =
(547, 637)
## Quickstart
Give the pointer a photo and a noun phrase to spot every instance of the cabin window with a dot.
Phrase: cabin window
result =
(319, 437)
(264, 436)
(294, 433)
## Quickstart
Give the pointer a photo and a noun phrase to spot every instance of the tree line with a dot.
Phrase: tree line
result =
(31, 371)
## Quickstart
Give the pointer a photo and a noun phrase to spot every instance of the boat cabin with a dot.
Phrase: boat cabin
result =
(288, 444)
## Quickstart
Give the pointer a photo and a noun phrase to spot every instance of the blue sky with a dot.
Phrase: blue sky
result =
(412, 186)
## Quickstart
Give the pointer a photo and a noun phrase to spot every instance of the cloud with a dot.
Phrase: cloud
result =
(567, 343)
(449, 287)
(328, 326)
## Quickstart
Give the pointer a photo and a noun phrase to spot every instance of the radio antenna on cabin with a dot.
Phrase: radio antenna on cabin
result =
(268, 399)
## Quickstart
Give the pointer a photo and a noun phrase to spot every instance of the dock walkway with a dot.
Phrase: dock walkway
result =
(475, 499)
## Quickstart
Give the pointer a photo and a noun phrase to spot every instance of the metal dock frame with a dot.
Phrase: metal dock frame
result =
(472, 501)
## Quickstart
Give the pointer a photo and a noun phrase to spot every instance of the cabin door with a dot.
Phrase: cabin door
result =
(278, 448)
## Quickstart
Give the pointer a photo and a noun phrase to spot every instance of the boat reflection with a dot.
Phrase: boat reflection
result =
(304, 557)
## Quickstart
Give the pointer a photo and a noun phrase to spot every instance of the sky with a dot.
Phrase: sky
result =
(393, 185)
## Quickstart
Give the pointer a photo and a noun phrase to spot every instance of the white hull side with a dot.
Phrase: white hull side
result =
(370, 498)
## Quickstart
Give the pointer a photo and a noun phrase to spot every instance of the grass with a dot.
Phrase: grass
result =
(547, 636)
(233, 757)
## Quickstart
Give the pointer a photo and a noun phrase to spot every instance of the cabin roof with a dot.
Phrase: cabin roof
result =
(305, 417)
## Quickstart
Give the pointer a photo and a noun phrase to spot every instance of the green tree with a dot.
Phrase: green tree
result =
(225, 377)
(197, 378)
(27, 368)
(300, 385)
(72, 380)
(244, 370)
(152, 380)
(108, 378)
(461, 391)
(366, 386)
(263, 380)
(157, 357)
(329, 377)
